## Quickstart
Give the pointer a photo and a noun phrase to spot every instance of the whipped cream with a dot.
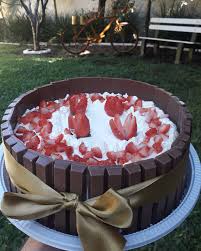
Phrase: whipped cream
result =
(100, 132)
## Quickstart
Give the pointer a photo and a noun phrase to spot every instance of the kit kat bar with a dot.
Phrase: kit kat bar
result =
(163, 165)
(77, 186)
(44, 168)
(62, 184)
(29, 161)
(132, 176)
(176, 156)
(114, 177)
(96, 181)
(148, 168)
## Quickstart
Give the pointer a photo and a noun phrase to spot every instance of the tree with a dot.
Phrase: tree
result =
(35, 17)
(101, 6)
(55, 10)
(147, 17)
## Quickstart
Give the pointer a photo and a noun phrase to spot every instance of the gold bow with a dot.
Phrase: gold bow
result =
(97, 219)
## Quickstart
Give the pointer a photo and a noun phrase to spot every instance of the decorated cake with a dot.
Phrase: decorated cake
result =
(97, 129)
(86, 135)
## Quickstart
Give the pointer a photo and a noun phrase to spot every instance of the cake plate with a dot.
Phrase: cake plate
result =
(141, 238)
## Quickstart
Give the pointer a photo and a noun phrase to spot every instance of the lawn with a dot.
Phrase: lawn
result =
(19, 74)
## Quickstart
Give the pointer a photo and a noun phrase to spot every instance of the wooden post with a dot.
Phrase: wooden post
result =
(179, 53)
(191, 50)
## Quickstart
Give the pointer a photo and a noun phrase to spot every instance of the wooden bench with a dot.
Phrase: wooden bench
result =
(184, 25)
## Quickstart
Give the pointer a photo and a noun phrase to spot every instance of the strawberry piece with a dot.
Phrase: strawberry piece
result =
(107, 162)
(127, 131)
(92, 162)
(113, 106)
(112, 156)
(80, 124)
(21, 129)
(88, 155)
(151, 132)
(158, 139)
(97, 152)
(97, 96)
(69, 151)
(157, 147)
(46, 130)
(27, 136)
(78, 103)
(71, 122)
(57, 156)
(138, 104)
(144, 151)
(117, 127)
(156, 121)
(82, 148)
(164, 128)
(77, 158)
(61, 147)
(131, 148)
(67, 131)
(33, 143)
(35, 126)
(59, 138)
(130, 126)
(42, 104)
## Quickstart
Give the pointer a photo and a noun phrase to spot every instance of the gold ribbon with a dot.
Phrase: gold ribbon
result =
(97, 219)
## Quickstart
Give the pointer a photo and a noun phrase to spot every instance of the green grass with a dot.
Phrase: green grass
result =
(19, 74)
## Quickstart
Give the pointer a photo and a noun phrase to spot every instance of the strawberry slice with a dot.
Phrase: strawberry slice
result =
(92, 162)
(88, 155)
(131, 148)
(158, 139)
(33, 143)
(82, 148)
(112, 156)
(157, 147)
(46, 130)
(113, 106)
(80, 124)
(151, 132)
(78, 103)
(96, 96)
(138, 104)
(57, 156)
(59, 138)
(97, 152)
(69, 151)
(117, 127)
(67, 131)
(27, 136)
(164, 128)
(144, 151)
(125, 132)
(130, 126)
(21, 129)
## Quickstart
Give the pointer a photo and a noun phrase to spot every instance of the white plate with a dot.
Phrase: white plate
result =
(155, 232)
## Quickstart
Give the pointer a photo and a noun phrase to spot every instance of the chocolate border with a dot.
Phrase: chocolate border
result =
(79, 176)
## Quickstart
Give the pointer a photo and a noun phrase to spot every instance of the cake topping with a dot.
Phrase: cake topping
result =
(97, 129)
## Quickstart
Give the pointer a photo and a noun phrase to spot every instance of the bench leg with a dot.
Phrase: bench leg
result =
(190, 55)
(143, 48)
(156, 48)
(179, 53)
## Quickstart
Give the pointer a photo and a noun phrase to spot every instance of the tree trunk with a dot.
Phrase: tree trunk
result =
(148, 16)
(35, 34)
(101, 7)
(55, 10)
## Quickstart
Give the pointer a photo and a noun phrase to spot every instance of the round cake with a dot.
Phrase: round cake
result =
(86, 135)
